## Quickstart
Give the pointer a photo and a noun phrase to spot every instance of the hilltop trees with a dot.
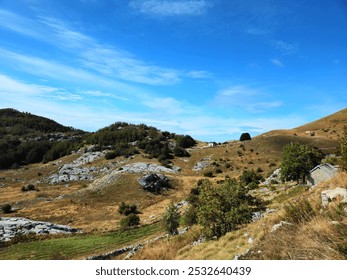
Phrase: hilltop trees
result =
(297, 161)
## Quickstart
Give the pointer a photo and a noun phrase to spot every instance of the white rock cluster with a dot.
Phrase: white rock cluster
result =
(275, 176)
(201, 165)
(74, 172)
(10, 227)
(142, 167)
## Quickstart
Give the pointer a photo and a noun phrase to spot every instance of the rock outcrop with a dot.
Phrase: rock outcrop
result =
(11, 227)
(142, 167)
(330, 195)
(75, 170)
(154, 182)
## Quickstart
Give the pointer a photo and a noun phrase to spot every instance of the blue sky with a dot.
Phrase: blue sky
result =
(208, 68)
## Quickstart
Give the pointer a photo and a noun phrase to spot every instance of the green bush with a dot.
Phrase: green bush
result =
(130, 221)
(6, 208)
(185, 141)
(126, 209)
(28, 188)
(208, 174)
(111, 155)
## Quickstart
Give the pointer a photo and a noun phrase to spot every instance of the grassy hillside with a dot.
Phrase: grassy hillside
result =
(92, 205)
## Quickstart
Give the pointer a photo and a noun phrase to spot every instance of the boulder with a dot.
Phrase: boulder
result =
(330, 195)
(154, 182)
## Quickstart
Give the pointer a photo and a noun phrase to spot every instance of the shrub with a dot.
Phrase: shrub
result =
(6, 208)
(185, 141)
(208, 174)
(180, 152)
(245, 136)
(111, 155)
(132, 220)
(28, 188)
(126, 209)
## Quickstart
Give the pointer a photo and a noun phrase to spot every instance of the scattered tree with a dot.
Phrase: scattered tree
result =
(171, 219)
(223, 207)
(297, 161)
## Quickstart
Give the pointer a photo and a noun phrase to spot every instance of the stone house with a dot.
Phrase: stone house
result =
(321, 173)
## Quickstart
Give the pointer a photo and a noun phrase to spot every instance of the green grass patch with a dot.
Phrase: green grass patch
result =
(290, 193)
(77, 246)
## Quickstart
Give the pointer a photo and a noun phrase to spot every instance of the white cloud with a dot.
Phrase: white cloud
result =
(116, 63)
(20, 25)
(199, 74)
(171, 8)
(285, 48)
(277, 63)
(252, 100)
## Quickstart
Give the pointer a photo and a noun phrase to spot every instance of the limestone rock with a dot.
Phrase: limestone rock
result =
(279, 225)
(10, 227)
(330, 195)
(142, 167)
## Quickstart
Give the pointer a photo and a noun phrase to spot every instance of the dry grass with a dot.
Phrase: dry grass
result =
(168, 248)
(322, 236)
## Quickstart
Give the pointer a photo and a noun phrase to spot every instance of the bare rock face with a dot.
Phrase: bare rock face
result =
(330, 195)
(154, 182)
(10, 227)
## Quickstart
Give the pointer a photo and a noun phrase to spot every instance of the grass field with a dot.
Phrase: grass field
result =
(77, 246)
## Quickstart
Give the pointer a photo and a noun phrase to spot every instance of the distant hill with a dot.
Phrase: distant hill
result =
(329, 126)
(27, 138)
(20, 124)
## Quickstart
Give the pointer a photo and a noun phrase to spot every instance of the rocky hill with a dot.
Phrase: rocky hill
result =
(143, 166)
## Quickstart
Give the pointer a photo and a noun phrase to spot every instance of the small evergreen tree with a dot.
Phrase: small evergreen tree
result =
(171, 219)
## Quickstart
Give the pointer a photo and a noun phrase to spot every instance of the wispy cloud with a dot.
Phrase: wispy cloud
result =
(199, 74)
(277, 62)
(285, 48)
(107, 60)
(171, 8)
(120, 64)
(245, 98)
(19, 24)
